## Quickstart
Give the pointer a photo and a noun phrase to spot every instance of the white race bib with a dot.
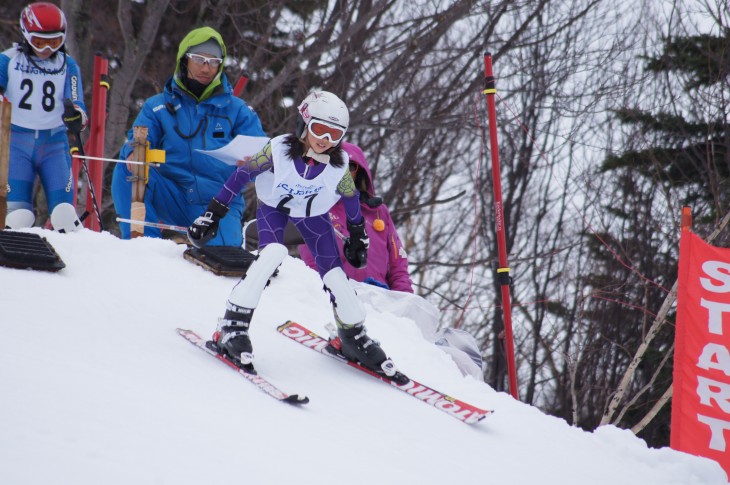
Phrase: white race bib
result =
(286, 190)
(36, 95)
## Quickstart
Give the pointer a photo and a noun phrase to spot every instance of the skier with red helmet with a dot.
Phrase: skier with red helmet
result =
(298, 178)
(36, 77)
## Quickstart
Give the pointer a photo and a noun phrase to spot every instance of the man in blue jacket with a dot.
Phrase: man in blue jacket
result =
(196, 110)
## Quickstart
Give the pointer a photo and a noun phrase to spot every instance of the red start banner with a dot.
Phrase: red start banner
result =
(701, 390)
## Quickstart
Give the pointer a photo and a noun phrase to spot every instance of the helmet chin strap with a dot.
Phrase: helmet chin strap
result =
(320, 157)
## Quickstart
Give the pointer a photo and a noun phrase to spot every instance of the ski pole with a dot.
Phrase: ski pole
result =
(78, 146)
(158, 225)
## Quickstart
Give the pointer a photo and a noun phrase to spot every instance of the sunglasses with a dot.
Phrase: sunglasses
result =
(52, 42)
(321, 130)
(213, 62)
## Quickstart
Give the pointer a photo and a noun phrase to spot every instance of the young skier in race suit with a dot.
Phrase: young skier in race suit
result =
(37, 76)
(299, 178)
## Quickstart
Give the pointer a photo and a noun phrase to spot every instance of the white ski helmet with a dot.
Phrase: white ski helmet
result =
(325, 107)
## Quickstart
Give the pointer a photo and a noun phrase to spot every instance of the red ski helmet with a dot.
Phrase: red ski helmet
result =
(43, 26)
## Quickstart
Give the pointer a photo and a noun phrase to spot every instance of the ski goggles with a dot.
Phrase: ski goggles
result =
(213, 62)
(321, 129)
(42, 42)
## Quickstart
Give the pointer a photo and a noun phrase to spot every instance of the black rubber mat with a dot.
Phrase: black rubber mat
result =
(28, 251)
(221, 260)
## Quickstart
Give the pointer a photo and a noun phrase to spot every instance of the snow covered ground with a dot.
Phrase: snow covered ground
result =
(97, 388)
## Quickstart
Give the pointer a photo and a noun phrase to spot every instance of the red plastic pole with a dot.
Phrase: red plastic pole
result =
(95, 143)
(503, 277)
(686, 221)
(240, 85)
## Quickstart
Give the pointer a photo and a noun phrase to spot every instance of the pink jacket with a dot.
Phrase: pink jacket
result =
(387, 260)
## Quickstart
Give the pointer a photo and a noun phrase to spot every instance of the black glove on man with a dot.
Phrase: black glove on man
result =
(73, 117)
(205, 227)
(356, 246)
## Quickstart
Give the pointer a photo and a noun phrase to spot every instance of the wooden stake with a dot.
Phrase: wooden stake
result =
(4, 158)
(139, 180)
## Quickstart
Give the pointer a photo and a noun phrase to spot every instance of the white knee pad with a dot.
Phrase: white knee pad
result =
(348, 307)
(19, 218)
(64, 218)
(247, 292)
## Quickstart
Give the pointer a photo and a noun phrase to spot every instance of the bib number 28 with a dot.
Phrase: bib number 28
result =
(48, 101)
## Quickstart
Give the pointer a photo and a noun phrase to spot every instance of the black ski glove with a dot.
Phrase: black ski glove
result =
(205, 227)
(73, 117)
(356, 246)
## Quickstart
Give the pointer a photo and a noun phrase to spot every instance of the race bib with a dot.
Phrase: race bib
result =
(36, 92)
(298, 197)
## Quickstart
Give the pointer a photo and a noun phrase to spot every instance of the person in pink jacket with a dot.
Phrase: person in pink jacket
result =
(387, 260)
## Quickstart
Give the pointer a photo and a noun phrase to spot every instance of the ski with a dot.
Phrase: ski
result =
(460, 410)
(252, 376)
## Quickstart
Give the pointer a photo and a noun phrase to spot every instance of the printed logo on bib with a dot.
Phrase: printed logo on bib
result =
(300, 190)
(30, 69)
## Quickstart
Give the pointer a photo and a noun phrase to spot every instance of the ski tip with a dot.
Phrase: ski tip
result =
(296, 399)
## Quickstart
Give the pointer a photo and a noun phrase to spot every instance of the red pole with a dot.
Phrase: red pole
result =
(240, 85)
(686, 221)
(503, 277)
(95, 143)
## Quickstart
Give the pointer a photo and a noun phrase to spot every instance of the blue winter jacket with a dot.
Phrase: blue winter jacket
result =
(179, 124)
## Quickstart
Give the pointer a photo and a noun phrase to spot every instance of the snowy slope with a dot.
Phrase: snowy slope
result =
(97, 388)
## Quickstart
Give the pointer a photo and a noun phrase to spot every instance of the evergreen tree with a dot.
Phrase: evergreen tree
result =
(686, 153)
(676, 155)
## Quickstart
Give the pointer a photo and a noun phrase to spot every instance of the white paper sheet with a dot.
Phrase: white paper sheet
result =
(240, 147)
